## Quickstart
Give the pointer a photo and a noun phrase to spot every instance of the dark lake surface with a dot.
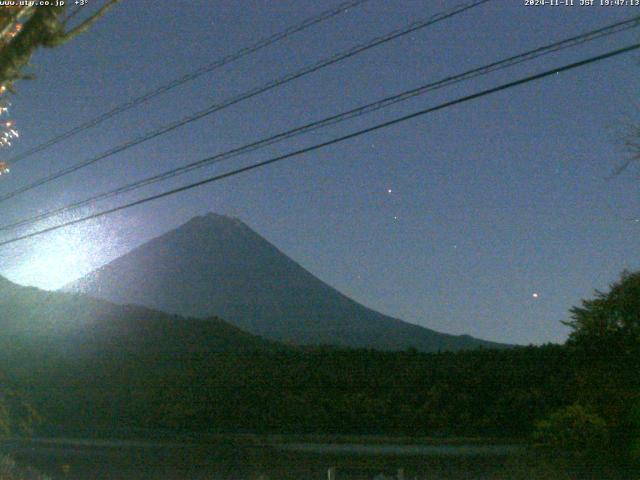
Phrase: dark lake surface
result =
(65, 458)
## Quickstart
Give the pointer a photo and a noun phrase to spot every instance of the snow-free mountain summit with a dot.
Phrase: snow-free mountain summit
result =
(217, 265)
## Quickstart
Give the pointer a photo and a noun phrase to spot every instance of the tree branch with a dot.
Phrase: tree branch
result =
(45, 27)
(82, 27)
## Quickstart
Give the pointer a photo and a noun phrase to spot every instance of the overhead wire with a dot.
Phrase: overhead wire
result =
(343, 138)
(249, 94)
(334, 119)
(188, 77)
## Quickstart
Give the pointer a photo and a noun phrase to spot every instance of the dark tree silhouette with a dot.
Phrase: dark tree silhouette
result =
(610, 322)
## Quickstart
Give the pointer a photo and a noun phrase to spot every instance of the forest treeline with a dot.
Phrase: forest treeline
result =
(590, 383)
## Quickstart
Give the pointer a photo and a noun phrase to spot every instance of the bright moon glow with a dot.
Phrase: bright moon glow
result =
(56, 259)
(535, 295)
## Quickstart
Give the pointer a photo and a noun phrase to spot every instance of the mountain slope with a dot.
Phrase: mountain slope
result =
(71, 323)
(217, 265)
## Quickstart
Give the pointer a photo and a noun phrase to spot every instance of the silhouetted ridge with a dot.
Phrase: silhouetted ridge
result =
(70, 323)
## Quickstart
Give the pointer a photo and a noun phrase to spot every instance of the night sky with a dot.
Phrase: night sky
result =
(491, 218)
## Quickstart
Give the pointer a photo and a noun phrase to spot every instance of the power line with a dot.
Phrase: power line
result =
(145, 97)
(505, 86)
(334, 119)
(249, 94)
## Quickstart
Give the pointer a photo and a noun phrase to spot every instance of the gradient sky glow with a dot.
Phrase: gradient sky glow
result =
(452, 221)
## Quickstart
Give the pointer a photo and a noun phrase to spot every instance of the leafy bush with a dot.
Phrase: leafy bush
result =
(573, 429)
(9, 470)
(17, 415)
(635, 432)
(5, 419)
